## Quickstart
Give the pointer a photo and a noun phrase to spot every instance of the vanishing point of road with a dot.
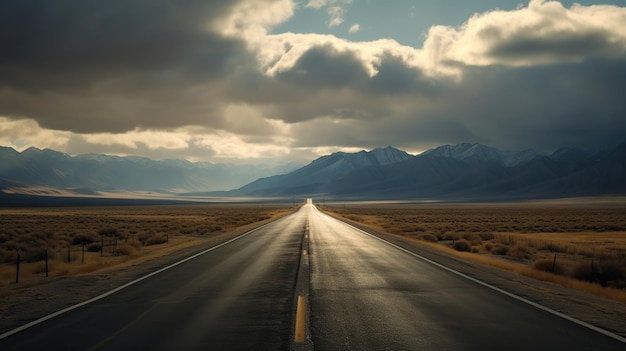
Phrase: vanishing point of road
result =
(313, 279)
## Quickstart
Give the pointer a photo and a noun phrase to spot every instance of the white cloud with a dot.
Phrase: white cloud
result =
(152, 139)
(545, 32)
(251, 19)
(318, 4)
(218, 144)
(228, 145)
(281, 51)
(335, 9)
(336, 15)
(23, 133)
(354, 28)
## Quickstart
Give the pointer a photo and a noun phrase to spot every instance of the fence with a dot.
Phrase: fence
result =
(70, 254)
(577, 250)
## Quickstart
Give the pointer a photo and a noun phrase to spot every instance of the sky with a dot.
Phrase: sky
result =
(274, 81)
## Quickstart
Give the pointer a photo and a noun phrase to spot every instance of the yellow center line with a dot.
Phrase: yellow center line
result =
(300, 337)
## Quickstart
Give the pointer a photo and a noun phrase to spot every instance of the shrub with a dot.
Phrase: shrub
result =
(34, 255)
(134, 243)
(499, 249)
(4, 237)
(428, 237)
(156, 240)
(450, 236)
(63, 238)
(13, 245)
(545, 265)
(417, 229)
(604, 272)
(82, 238)
(94, 247)
(462, 245)
(610, 271)
(143, 237)
(470, 236)
(521, 252)
(486, 236)
(127, 250)
(583, 271)
(112, 232)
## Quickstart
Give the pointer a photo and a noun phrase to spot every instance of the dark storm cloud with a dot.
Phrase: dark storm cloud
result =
(329, 82)
(563, 46)
(142, 55)
(90, 39)
(424, 131)
(394, 76)
(544, 106)
(324, 66)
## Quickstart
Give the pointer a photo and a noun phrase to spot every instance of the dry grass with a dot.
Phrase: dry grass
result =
(128, 233)
(589, 241)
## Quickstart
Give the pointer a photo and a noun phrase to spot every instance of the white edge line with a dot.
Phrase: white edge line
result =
(67, 309)
(519, 298)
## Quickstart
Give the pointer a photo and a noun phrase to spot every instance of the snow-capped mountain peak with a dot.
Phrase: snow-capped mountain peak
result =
(478, 152)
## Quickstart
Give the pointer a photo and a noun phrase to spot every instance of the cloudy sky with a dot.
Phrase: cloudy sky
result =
(277, 80)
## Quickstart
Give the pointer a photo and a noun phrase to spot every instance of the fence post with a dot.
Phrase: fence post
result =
(46, 254)
(554, 264)
(69, 258)
(17, 270)
(83, 252)
(101, 246)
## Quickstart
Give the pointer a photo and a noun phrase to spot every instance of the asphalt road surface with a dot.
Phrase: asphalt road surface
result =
(365, 294)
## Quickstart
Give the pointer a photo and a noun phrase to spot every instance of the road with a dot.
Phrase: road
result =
(364, 294)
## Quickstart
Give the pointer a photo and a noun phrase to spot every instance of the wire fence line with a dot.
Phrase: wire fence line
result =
(582, 250)
(72, 253)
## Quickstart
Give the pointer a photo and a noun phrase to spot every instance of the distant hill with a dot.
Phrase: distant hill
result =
(453, 172)
(320, 175)
(89, 173)
(463, 172)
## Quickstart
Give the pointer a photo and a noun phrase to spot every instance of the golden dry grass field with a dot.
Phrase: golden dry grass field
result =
(579, 245)
(111, 236)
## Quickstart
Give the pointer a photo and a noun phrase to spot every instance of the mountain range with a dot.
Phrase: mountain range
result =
(454, 172)
(461, 172)
(91, 173)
